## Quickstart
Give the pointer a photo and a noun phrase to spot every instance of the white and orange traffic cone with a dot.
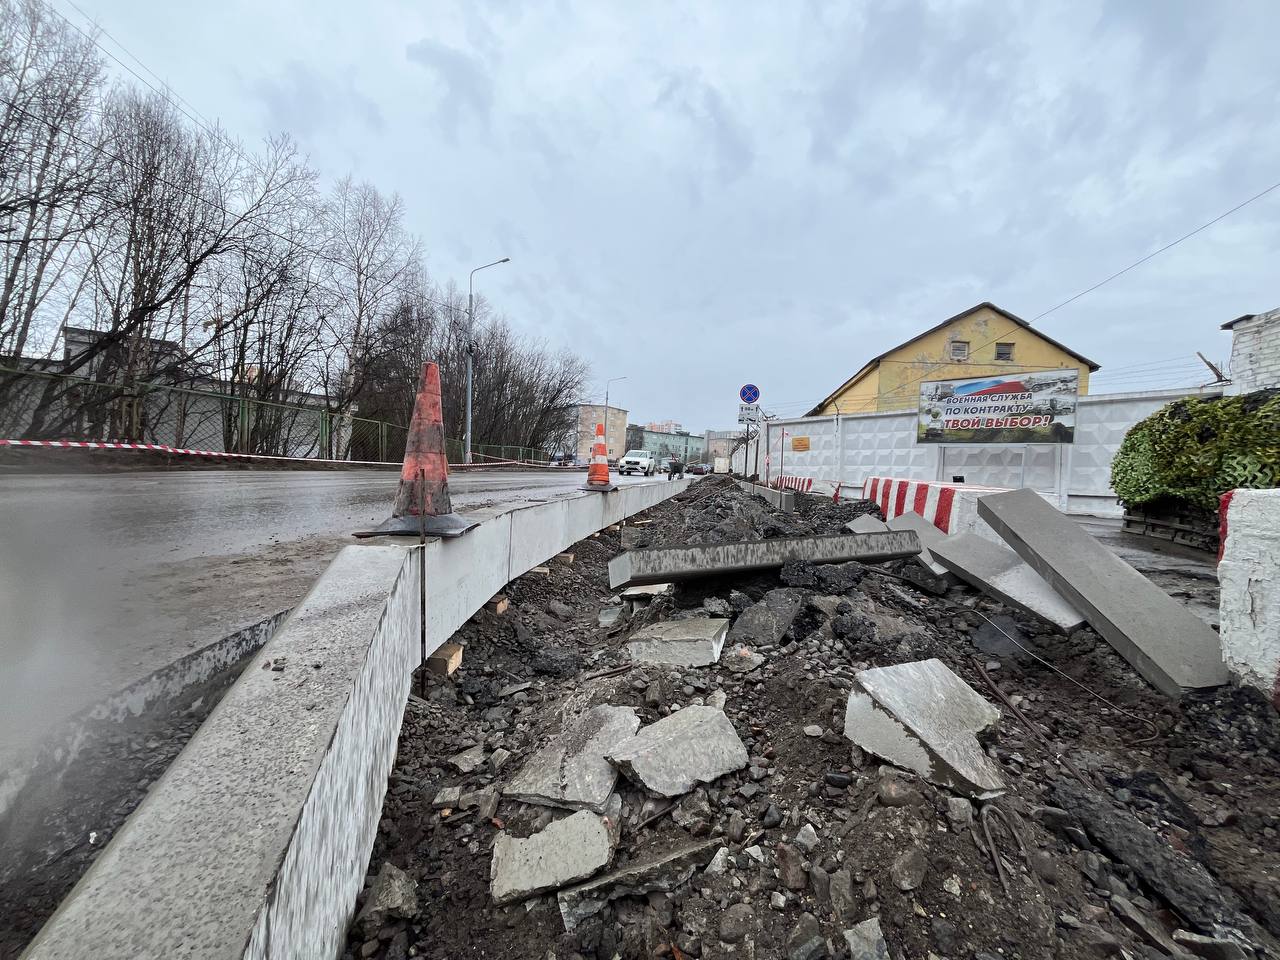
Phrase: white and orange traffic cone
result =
(422, 502)
(598, 470)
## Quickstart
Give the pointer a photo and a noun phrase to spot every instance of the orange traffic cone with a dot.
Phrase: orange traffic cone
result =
(598, 470)
(422, 502)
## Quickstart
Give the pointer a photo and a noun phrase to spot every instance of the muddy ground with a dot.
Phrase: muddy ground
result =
(1137, 815)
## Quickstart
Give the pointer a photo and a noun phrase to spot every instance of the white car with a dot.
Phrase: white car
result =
(638, 461)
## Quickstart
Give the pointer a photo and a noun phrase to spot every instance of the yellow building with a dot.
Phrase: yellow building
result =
(982, 341)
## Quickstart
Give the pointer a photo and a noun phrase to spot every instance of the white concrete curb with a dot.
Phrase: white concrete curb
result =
(255, 841)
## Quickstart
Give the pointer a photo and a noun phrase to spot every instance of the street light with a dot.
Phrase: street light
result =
(471, 344)
(606, 411)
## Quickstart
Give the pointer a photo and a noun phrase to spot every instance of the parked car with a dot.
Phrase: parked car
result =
(638, 461)
(698, 469)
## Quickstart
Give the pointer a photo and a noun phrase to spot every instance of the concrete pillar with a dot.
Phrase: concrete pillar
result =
(1249, 579)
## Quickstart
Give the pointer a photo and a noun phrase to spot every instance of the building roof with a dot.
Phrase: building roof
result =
(959, 316)
(1231, 323)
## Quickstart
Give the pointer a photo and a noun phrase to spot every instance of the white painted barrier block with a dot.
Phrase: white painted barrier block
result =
(1249, 580)
(951, 507)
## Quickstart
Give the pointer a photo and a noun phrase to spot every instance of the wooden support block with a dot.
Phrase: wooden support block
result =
(565, 558)
(612, 528)
(498, 605)
(545, 571)
(446, 659)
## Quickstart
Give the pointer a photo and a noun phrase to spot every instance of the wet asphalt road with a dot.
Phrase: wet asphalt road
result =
(105, 578)
(164, 516)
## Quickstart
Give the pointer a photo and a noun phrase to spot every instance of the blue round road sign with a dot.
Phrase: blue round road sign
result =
(749, 393)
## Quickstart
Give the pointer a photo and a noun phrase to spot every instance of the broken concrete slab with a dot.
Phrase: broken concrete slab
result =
(645, 591)
(998, 571)
(566, 852)
(742, 659)
(663, 873)
(764, 623)
(1165, 642)
(866, 524)
(696, 642)
(664, 564)
(447, 797)
(922, 717)
(394, 894)
(571, 771)
(671, 757)
(866, 942)
(930, 536)
(468, 760)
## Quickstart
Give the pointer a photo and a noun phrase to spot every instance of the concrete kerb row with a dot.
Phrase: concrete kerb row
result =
(781, 499)
(254, 843)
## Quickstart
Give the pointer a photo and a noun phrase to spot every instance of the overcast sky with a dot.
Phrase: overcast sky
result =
(696, 195)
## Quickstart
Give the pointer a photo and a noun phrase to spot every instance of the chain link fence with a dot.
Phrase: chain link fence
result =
(43, 405)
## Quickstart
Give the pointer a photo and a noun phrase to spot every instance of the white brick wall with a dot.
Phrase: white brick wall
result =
(1255, 353)
(1249, 577)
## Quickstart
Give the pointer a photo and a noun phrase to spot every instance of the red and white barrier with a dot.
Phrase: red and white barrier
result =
(800, 484)
(1249, 584)
(951, 507)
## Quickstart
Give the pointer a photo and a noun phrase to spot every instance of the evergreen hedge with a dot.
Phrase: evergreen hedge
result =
(1196, 449)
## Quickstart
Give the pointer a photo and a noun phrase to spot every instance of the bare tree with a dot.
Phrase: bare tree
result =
(372, 263)
(172, 202)
(171, 264)
(49, 164)
(524, 393)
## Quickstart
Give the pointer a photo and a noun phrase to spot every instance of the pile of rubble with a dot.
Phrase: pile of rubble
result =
(839, 759)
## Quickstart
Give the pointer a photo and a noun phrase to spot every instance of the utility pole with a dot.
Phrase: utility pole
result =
(606, 412)
(471, 345)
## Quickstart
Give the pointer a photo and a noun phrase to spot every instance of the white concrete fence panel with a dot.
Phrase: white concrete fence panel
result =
(851, 449)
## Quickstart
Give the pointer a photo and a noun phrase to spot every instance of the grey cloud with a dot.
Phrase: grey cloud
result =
(711, 116)
(302, 101)
(859, 173)
(468, 85)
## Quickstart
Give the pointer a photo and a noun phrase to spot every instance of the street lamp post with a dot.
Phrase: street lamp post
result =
(471, 345)
(606, 411)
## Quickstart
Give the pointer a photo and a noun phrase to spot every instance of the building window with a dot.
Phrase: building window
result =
(1004, 351)
(959, 349)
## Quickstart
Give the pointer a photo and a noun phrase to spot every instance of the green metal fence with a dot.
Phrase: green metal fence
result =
(44, 405)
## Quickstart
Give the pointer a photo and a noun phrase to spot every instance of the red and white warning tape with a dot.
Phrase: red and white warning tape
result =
(184, 451)
(165, 448)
